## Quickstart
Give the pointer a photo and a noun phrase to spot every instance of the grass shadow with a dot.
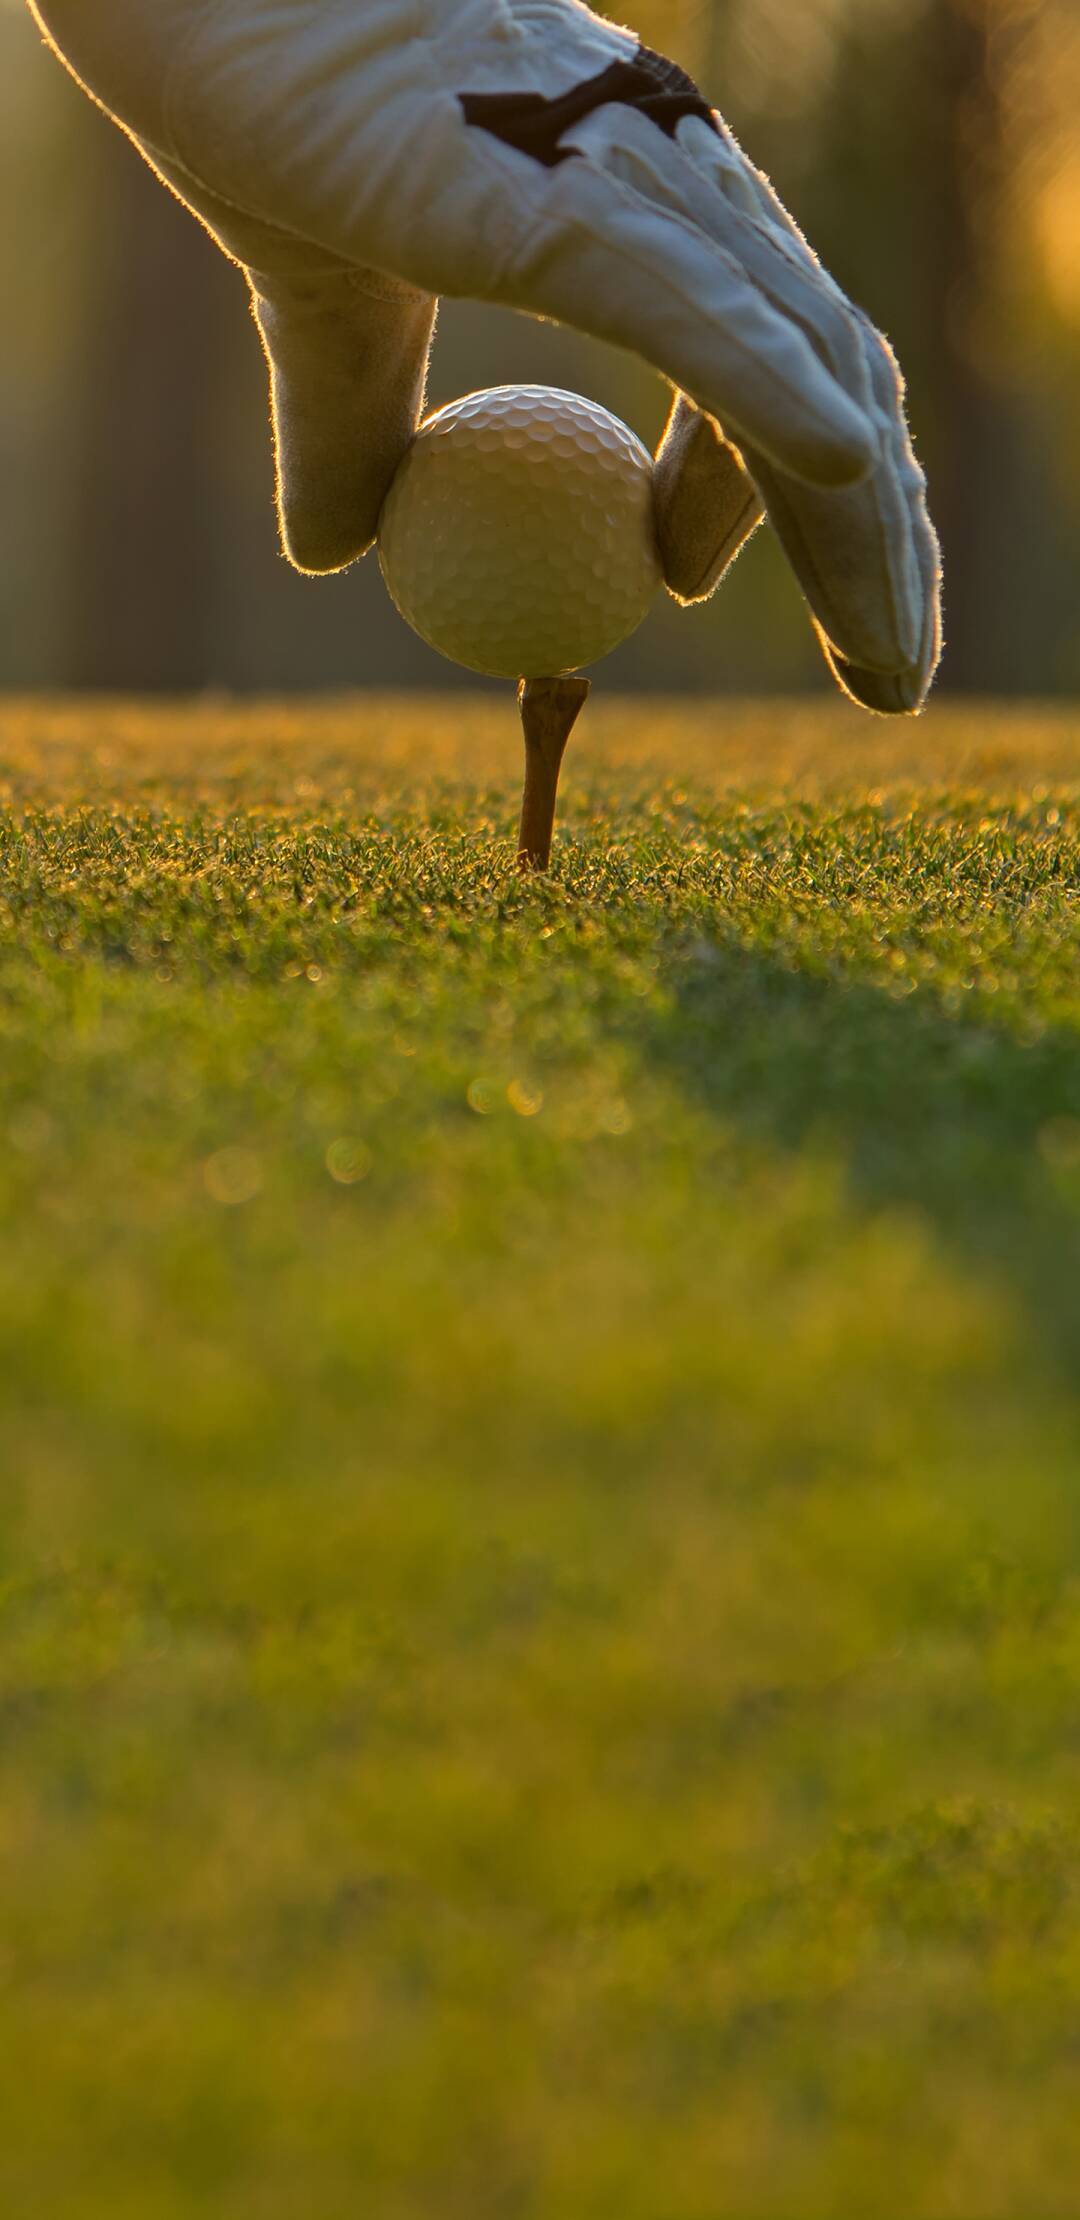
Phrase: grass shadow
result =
(964, 1121)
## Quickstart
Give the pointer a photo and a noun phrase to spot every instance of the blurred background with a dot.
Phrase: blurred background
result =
(931, 150)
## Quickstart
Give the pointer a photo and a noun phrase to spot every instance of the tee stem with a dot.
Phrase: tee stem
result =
(550, 708)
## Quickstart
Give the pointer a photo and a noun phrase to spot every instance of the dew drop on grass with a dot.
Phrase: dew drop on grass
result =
(525, 1101)
(348, 1161)
(232, 1176)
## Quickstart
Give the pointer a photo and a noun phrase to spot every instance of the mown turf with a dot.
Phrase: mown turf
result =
(541, 1468)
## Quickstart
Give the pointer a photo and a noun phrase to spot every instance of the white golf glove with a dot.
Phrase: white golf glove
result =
(360, 157)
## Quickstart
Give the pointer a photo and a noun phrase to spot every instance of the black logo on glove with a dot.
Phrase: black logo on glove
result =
(657, 88)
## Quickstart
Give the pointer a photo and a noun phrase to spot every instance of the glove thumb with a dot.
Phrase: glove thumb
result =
(706, 505)
(348, 352)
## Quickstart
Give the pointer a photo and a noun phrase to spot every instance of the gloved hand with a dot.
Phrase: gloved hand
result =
(360, 157)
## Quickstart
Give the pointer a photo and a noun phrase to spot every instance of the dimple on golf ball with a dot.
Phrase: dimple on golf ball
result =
(518, 535)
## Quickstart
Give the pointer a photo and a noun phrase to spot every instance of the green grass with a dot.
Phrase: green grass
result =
(540, 1660)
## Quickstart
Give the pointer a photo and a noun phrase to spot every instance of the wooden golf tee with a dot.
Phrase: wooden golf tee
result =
(550, 708)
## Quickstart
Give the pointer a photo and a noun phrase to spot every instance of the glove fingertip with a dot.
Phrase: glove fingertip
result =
(705, 504)
(885, 693)
(318, 541)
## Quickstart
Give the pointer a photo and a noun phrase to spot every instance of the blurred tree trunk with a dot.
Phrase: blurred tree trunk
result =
(981, 490)
(142, 523)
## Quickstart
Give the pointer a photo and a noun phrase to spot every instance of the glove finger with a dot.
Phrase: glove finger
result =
(645, 213)
(706, 504)
(347, 350)
(887, 513)
(867, 558)
(700, 175)
(888, 694)
(835, 546)
(902, 692)
(348, 366)
(618, 265)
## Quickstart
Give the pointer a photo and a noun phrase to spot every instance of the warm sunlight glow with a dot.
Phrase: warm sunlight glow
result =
(1058, 220)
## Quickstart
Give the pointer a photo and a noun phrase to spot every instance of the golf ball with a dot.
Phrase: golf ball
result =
(518, 534)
